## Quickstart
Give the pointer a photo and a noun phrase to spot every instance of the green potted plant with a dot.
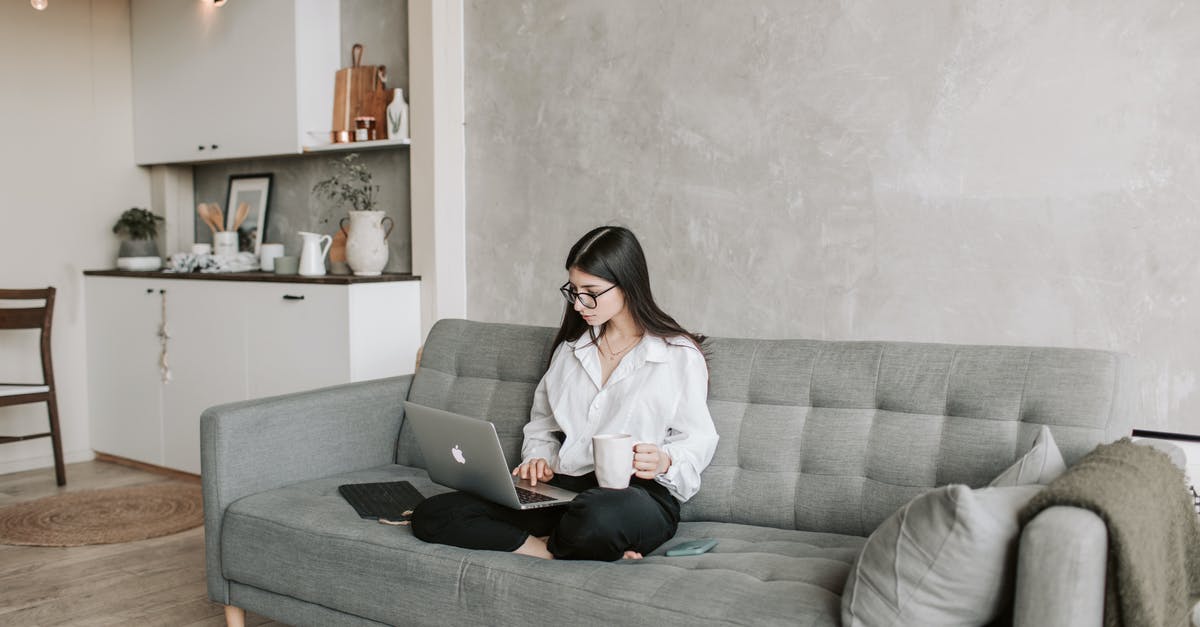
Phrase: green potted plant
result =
(352, 188)
(137, 228)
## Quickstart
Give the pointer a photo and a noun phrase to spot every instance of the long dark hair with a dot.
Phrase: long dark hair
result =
(614, 254)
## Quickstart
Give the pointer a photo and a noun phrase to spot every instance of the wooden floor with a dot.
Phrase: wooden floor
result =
(159, 581)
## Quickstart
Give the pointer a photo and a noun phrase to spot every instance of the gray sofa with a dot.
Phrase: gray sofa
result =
(820, 442)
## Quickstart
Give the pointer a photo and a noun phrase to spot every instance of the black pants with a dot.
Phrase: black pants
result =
(600, 524)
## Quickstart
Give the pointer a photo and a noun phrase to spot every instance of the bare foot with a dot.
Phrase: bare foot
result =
(535, 547)
(631, 555)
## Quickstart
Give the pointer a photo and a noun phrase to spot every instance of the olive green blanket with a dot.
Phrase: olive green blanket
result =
(1153, 532)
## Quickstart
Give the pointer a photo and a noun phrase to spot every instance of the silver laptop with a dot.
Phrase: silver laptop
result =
(464, 453)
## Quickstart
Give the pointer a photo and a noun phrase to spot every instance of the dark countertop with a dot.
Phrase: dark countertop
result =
(267, 277)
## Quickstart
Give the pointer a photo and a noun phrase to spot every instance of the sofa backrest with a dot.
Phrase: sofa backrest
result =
(820, 435)
(482, 370)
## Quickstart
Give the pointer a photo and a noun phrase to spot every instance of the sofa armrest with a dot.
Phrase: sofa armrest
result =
(258, 445)
(1061, 568)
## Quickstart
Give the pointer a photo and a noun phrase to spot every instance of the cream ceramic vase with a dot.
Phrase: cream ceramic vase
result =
(366, 242)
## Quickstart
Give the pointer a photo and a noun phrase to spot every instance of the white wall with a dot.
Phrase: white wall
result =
(66, 173)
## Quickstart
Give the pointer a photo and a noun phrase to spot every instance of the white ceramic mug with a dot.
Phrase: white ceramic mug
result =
(267, 255)
(613, 457)
(225, 243)
(201, 249)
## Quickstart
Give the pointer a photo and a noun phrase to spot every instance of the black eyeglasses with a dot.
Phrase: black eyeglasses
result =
(584, 298)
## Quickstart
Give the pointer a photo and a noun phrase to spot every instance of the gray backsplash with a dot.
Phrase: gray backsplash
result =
(292, 207)
(381, 26)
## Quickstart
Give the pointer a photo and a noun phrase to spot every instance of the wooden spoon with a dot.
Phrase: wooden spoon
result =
(242, 211)
(202, 211)
(214, 210)
(214, 217)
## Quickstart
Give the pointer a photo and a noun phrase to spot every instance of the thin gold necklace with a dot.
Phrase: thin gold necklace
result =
(615, 354)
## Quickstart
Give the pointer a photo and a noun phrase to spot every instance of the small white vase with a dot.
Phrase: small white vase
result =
(397, 116)
(366, 242)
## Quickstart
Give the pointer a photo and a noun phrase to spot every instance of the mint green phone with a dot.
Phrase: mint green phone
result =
(692, 547)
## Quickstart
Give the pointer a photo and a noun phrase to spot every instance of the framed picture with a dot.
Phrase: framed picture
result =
(253, 191)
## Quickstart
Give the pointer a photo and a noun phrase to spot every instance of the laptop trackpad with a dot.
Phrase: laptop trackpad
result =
(545, 488)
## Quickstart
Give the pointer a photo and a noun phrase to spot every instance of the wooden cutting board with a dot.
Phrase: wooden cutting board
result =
(357, 91)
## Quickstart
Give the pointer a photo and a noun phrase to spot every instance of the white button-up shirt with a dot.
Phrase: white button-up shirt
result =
(657, 393)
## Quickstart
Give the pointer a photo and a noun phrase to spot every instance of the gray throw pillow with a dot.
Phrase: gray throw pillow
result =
(946, 558)
(1041, 465)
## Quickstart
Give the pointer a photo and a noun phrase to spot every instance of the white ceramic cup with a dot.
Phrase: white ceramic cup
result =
(613, 455)
(225, 242)
(267, 255)
(201, 249)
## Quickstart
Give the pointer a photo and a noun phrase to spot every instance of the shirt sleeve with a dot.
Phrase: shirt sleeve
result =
(540, 440)
(692, 439)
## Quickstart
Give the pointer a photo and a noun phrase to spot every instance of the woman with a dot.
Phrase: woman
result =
(620, 365)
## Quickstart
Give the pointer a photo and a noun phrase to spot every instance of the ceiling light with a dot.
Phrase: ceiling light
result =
(40, 5)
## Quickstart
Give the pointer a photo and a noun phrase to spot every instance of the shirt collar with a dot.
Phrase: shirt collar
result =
(651, 348)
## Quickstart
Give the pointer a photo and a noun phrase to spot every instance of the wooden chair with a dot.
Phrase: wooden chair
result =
(22, 393)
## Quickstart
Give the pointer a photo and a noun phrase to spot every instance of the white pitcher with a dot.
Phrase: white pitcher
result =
(312, 253)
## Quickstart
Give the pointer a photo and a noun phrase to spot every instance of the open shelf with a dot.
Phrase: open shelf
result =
(353, 146)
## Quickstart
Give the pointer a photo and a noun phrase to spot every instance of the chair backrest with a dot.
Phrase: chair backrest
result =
(31, 318)
(821, 435)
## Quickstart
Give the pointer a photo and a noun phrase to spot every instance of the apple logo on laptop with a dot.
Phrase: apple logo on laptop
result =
(458, 456)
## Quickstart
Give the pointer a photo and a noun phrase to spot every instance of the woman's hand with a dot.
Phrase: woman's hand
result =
(533, 470)
(649, 461)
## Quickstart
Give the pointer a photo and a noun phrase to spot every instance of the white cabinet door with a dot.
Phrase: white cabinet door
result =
(213, 82)
(296, 338)
(207, 357)
(385, 329)
(123, 374)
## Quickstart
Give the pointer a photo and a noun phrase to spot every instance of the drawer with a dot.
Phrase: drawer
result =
(296, 338)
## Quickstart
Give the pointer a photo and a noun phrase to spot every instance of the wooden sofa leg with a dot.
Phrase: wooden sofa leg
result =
(235, 616)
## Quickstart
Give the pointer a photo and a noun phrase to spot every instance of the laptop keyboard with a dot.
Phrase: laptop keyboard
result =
(529, 496)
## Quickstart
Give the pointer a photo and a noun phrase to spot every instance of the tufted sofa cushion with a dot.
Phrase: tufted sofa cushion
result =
(820, 435)
(482, 370)
(304, 541)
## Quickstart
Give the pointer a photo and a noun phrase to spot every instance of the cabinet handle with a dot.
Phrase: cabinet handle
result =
(199, 147)
(214, 146)
(293, 297)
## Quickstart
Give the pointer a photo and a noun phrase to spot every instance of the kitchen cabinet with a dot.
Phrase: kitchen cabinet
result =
(246, 79)
(229, 340)
(206, 352)
(283, 333)
(301, 337)
(123, 376)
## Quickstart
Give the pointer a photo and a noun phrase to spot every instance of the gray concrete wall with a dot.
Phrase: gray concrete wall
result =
(1017, 173)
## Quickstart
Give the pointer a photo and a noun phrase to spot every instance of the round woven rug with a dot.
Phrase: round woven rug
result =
(103, 516)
